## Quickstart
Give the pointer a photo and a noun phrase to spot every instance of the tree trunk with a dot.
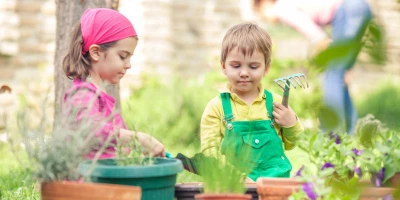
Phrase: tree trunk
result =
(68, 14)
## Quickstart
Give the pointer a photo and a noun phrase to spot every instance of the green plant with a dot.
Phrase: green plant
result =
(219, 176)
(54, 155)
(382, 104)
(381, 155)
(331, 150)
(133, 154)
(320, 185)
(170, 110)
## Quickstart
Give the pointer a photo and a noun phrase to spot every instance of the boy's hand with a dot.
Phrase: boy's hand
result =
(285, 117)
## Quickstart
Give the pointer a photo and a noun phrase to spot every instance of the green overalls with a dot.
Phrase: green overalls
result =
(254, 144)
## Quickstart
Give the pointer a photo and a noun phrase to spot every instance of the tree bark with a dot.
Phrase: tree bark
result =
(68, 14)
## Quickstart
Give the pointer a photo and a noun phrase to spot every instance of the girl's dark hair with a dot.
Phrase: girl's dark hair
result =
(75, 64)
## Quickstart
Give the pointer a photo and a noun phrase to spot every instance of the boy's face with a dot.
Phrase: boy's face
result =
(244, 72)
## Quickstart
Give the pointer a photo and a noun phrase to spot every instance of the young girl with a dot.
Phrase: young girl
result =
(349, 20)
(246, 121)
(99, 54)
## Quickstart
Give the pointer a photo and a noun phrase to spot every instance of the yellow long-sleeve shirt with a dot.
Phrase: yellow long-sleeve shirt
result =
(213, 127)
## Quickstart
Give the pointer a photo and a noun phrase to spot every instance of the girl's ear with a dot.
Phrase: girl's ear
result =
(266, 69)
(94, 52)
(223, 67)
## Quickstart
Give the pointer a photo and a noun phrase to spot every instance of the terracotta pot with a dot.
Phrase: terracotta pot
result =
(374, 193)
(395, 180)
(187, 191)
(222, 197)
(277, 188)
(88, 191)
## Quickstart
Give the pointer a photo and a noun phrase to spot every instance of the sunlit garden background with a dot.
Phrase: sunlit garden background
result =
(171, 82)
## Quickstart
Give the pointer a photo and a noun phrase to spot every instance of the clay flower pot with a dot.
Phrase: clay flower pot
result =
(88, 191)
(222, 196)
(277, 188)
(374, 193)
(395, 180)
(186, 191)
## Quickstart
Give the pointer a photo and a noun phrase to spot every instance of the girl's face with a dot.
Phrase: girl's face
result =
(111, 65)
(244, 72)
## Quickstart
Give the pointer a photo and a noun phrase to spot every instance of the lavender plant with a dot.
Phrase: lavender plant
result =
(54, 154)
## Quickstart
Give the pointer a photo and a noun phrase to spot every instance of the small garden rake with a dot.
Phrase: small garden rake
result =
(292, 80)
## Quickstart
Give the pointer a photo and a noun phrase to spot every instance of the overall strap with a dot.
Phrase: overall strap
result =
(268, 104)
(226, 105)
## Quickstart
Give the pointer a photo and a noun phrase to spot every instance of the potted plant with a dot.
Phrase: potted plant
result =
(186, 191)
(54, 154)
(333, 150)
(156, 176)
(381, 154)
(222, 180)
(318, 185)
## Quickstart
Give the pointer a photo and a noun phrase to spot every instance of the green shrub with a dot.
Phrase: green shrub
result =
(170, 112)
(382, 103)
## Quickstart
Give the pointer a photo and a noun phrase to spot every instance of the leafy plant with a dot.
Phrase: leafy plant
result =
(320, 185)
(381, 155)
(331, 151)
(219, 176)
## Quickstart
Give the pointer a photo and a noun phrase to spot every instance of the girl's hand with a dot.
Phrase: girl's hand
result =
(151, 145)
(285, 117)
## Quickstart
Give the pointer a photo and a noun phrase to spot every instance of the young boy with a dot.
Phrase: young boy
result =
(245, 121)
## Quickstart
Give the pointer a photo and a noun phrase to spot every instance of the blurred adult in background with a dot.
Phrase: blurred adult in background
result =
(336, 50)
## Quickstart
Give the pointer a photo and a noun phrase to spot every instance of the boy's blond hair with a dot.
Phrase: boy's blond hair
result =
(247, 37)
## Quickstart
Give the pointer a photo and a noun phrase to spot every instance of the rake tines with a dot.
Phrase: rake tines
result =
(292, 80)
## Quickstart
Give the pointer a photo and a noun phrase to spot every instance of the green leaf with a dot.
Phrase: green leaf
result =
(390, 170)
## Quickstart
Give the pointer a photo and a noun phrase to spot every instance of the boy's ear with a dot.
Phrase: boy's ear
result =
(266, 69)
(223, 67)
(94, 52)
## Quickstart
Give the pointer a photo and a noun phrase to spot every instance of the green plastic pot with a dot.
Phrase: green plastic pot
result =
(157, 180)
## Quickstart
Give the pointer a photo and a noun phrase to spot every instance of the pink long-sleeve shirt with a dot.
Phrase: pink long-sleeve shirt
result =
(307, 16)
(91, 105)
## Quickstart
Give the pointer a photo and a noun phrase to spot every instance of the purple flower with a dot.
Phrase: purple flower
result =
(298, 173)
(381, 174)
(309, 190)
(327, 165)
(358, 171)
(337, 141)
(336, 136)
(388, 197)
(378, 178)
(357, 152)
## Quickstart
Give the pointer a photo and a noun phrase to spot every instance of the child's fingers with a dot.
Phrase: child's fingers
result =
(278, 106)
(159, 151)
(276, 115)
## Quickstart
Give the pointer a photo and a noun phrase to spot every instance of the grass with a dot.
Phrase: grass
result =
(15, 182)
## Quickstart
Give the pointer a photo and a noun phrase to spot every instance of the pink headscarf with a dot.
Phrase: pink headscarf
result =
(102, 25)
